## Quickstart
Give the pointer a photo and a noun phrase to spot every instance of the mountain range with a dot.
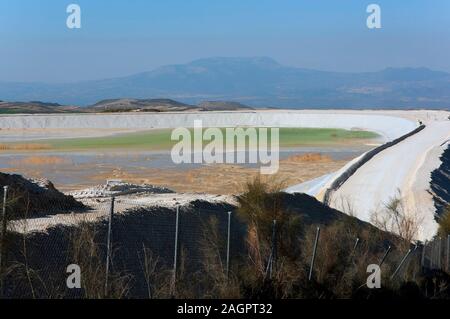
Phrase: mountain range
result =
(119, 105)
(258, 82)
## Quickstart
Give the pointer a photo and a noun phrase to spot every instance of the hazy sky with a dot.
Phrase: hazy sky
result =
(121, 37)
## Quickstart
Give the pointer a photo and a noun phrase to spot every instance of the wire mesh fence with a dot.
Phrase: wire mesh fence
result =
(124, 246)
(109, 238)
(436, 254)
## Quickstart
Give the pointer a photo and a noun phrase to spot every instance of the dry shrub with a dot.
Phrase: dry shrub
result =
(345, 205)
(396, 219)
(341, 265)
(87, 253)
(308, 158)
(42, 160)
(24, 147)
(184, 287)
(259, 206)
(157, 276)
(213, 277)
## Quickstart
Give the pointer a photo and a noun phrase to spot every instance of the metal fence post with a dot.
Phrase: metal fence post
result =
(175, 254)
(228, 245)
(356, 244)
(274, 247)
(401, 264)
(385, 256)
(354, 249)
(422, 259)
(313, 258)
(108, 245)
(3, 239)
(448, 252)
(432, 248)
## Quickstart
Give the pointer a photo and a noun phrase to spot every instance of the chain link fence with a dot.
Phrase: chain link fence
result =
(123, 246)
(113, 240)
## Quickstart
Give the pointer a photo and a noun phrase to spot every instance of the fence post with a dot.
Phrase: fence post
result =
(354, 249)
(108, 245)
(313, 258)
(440, 253)
(175, 254)
(424, 250)
(432, 248)
(228, 245)
(448, 252)
(3, 239)
(356, 244)
(273, 251)
(401, 264)
(385, 256)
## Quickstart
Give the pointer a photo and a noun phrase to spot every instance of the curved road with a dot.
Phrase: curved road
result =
(400, 171)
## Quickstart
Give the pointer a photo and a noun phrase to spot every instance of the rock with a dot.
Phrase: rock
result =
(35, 197)
(118, 188)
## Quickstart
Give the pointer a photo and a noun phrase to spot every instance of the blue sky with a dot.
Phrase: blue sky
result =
(121, 37)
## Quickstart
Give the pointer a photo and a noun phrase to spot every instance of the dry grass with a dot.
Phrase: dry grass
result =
(213, 276)
(24, 147)
(309, 158)
(214, 179)
(259, 206)
(396, 219)
(42, 160)
(157, 277)
(86, 253)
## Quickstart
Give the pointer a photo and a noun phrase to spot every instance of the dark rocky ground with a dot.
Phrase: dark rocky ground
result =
(440, 184)
(34, 198)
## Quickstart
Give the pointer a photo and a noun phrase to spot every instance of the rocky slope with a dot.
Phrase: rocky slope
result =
(440, 183)
(33, 198)
(34, 107)
(119, 105)
(139, 105)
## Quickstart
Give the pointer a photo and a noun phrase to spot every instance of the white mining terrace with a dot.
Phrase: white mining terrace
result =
(404, 167)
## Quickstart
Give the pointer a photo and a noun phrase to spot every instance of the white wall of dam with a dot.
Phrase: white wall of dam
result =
(388, 126)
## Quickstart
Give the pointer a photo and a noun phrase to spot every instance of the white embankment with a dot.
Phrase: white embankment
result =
(388, 126)
(405, 167)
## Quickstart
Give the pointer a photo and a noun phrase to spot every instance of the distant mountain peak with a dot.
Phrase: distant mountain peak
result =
(260, 61)
(253, 60)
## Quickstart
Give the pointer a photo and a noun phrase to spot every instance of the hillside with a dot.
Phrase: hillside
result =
(119, 105)
(222, 106)
(34, 107)
(255, 82)
(136, 105)
(35, 198)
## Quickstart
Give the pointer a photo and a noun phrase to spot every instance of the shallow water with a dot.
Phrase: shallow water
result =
(71, 170)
